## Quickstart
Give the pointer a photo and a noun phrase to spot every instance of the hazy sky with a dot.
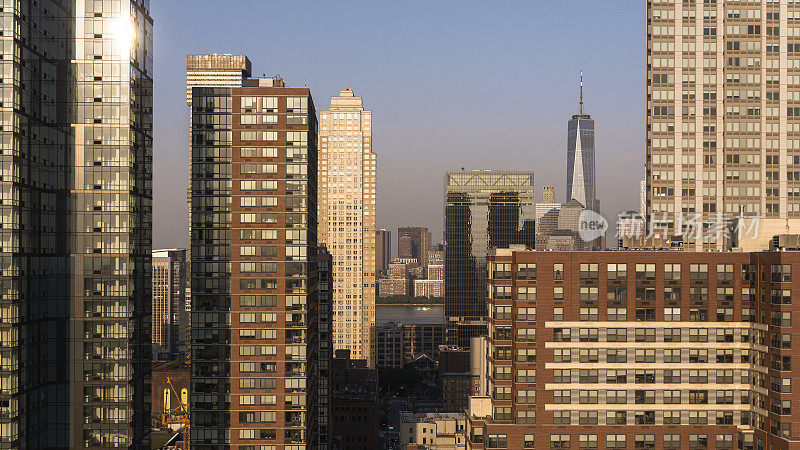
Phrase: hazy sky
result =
(474, 84)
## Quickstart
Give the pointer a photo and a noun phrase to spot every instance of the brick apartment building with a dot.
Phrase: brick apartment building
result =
(640, 349)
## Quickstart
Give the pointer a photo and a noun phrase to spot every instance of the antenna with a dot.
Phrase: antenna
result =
(581, 106)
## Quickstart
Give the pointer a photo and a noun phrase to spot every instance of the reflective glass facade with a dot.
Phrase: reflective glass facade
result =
(483, 209)
(76, 232)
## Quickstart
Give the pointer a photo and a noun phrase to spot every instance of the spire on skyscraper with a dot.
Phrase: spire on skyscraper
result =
(581, 105)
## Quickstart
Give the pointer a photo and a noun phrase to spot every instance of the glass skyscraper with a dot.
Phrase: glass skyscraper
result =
(483, 209)
(580, 159)
(76, 168)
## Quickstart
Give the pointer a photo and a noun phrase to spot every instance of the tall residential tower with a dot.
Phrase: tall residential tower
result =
(170, 279)
(347, 219)
(76, 153)
(256, 320)
(723, 116)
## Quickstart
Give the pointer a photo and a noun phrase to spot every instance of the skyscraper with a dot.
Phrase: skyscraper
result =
(76, 153)
(483, 209)
(548, 194)
(723, 129)
(347, 219)
(580, 158)
(383, 250)
(414, 242)
(256, 333)
(170, 278)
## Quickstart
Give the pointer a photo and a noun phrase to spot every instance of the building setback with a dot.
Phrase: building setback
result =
(256, 334)
(414, 242)
(639, 349)
(347, 167)
(723, 129)
(76, 158)
(483, 209)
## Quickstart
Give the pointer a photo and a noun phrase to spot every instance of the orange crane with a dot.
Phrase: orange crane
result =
(178, 415)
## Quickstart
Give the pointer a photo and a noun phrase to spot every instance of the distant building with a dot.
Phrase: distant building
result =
(436, 253)
(433, 431)
(347, 221)
(455, 377)
(403, 332)
(436, 271)
(580, 158)
(429, 288)
(170, 320)
(483, 209)
(354, 403)
(414, 242)
(383, 251)
(397, 281)
(548, 194)
(630, 225)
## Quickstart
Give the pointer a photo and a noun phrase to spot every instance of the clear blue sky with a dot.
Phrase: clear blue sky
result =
(483, 85)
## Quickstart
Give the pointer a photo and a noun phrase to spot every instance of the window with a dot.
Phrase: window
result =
(589, 272)
(502, 393)
(562, 397)
(672, 314)
(526, 271)
(587, 441)
(558, 293)
(672, 376)
(588, 335)
(616, 418)
(617, 356)
(587, 397)
(588, 355)
(526, 417)
(529, 440)
(502, 292)
(558, 272)
(643, 397)
(588, 314)
(588, 294)
(476, 435)
(672, 441)
(502, 413)
(526, 335)
(617, 314)
(724, 441)
(559, 441)
(526, 397)
(697, 441)
(526, 293)
(725, 272)
(781, 297)
(562, 334)
(502, 312)
(562, 376)
(558, 314)
(781, 273)
(645, 334)
(672, 356)
(497, 441)
(526, 355)
(562, 418)
(562, 355)
(526, 314)
(672, 272)
(672, 335)
(616, 441)
(645, 272)
(527, 376)
(616, 335)
(698, 272)
(502, 372)
(502, 271)
(616, 397)
(617, 272)
(618, 376)
(644, 441)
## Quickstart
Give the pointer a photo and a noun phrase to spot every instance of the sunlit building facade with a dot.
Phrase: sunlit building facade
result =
(723, 129)
(347, 167)
(76, 156)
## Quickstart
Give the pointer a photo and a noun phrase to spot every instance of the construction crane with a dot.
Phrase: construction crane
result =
(177, 416)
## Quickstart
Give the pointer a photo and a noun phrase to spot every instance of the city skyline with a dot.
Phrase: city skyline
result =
(526, 114)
